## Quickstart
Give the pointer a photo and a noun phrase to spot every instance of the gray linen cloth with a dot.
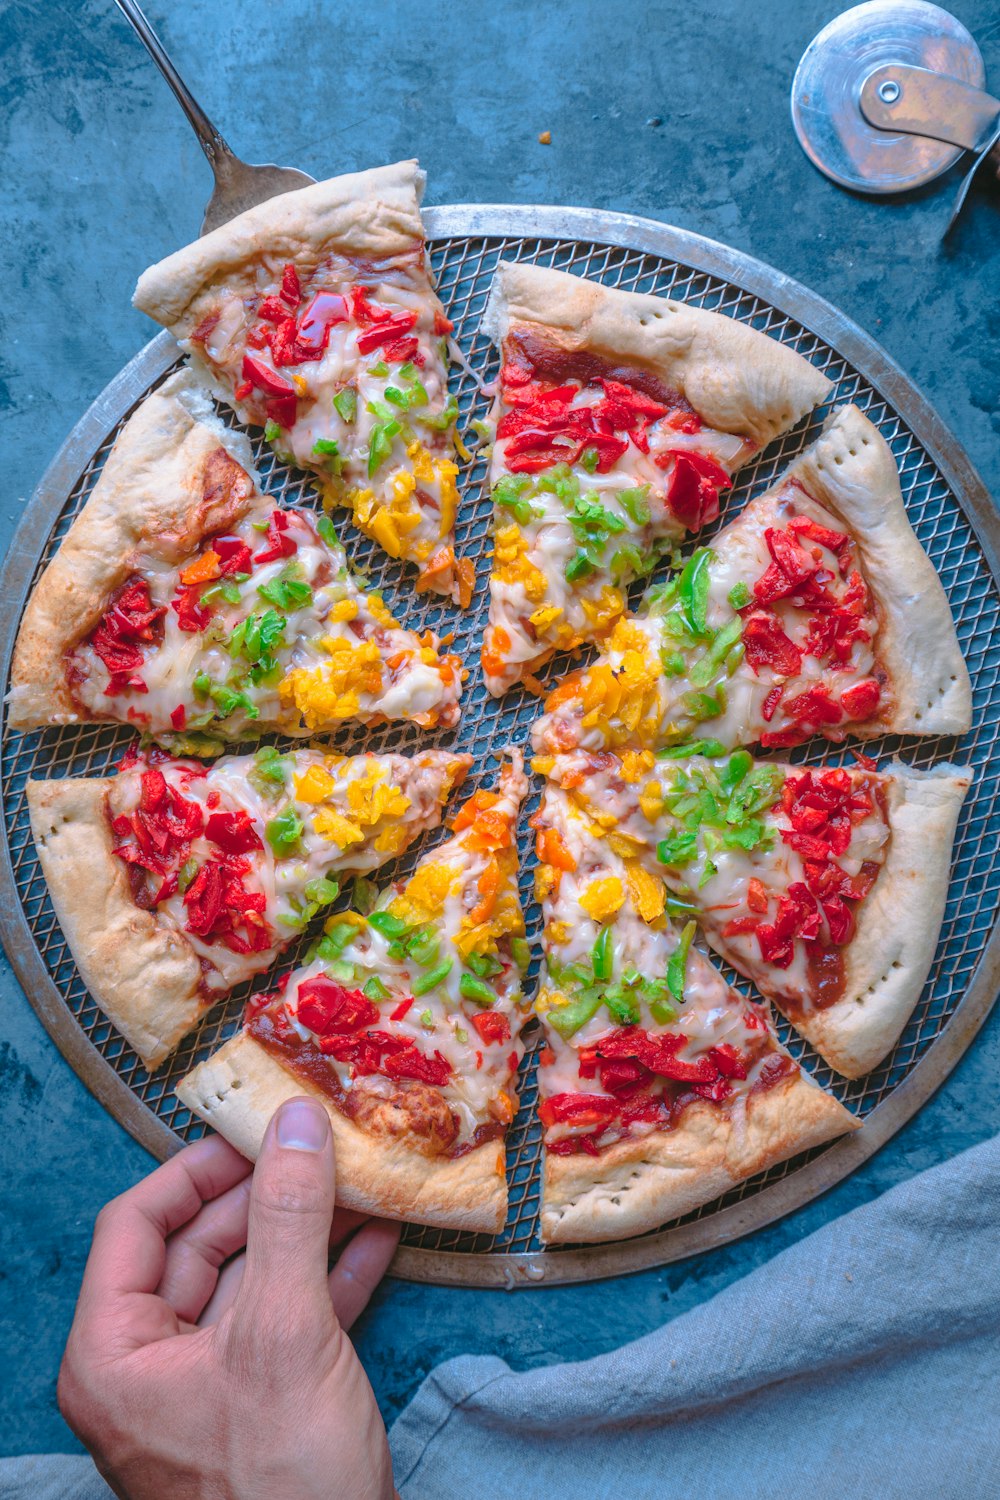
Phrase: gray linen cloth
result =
(862, 1363)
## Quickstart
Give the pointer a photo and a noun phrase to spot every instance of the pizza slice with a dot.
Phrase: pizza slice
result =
(816, 611)
(185, 602)
(173, 882)
(314, 316)
(619, 418)
(660, 1086)
(825, 886)
(404, 1022)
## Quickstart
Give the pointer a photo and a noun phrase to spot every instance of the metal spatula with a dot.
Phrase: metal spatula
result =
(238, 185)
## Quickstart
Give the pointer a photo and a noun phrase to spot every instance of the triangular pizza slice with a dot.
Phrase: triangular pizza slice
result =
(185, 602)
(824, 885)
(618, 419)
(314, 316)
(660, 1086)
(816, 611)
(404, 1023)
(174, 882)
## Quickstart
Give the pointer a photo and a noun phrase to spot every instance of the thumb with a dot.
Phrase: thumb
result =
(291, 1209)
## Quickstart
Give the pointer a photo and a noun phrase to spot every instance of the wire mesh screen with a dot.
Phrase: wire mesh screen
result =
(464, 266)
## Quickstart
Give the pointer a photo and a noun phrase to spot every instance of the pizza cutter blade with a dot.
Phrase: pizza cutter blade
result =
(833, 128)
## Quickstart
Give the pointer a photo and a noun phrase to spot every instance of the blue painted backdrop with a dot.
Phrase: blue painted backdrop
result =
(676, 111)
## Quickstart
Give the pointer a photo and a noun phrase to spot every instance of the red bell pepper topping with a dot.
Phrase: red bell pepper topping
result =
(577, 1109)
(162, 827)
(767, 645)
(327, 1007)
(291, 291)
(219, 905)
(178, 716)
(233, 555)
(491, 1027)
(192, 615)
(693, 491)
(401, 1009)
(130, 619)
(861, 699)
(279, 543)
(280, 396)
(234, 832)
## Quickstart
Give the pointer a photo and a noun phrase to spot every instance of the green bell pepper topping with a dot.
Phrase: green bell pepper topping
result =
(284, 832)
(186, 874)
(271, 431)
(442, 420)
(602, 955)
(590, 458)
(374, 989)
(622, 1006)
(364, 895)
(380, 444)
(288, 591)
(323, 447)
(520, 952)
(627, 561)
(693, 747)
(433, 977)
(385, 923)
(339, 938)
(346, 403)
(739, 595)
(423, 945)
(426, 1016)
(343, 973)
(662, 1012)
(321, 891)
(677, 967)
(485, 965)
(476, 989)
(568, 1018)
(326, 531)
(580, 566)
(381, 368)
(677, 850)
(692, 591)
(635, 504)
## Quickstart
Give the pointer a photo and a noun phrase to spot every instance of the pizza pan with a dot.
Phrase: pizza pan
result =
(955, 520)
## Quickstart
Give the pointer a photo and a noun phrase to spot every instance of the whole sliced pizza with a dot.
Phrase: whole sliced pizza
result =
(815, 612)
(174, 882)
(618, 420)
(314, 316)
(660, 1086)
(824, 885)
(185, 602)
(404, 1022)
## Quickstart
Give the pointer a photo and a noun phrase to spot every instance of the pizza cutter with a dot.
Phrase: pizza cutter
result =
(890, 95)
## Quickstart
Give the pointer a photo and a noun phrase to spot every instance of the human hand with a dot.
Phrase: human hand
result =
(184, 1382)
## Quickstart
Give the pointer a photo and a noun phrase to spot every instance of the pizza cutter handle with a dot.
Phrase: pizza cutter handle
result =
(212, 143)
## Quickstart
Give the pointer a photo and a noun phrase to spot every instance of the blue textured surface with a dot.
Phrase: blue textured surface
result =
(675, 112)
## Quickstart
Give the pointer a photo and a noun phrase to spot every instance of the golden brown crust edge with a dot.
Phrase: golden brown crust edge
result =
(142, 974)
(850, 469)
(170, 480)
(738, 379)
(237, 1090)
(899, 924)
(374, 213)
(643, 1182)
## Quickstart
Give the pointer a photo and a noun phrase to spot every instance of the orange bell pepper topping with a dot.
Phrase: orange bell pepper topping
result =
(203, 570)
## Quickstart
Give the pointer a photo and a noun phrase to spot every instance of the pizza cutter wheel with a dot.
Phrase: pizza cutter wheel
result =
(890, 95)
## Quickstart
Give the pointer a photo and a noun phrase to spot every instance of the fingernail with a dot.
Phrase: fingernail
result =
(302, 1126)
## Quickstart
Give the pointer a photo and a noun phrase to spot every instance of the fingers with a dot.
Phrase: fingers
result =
(291, 1211)
(362, 1264)
(195, 1253)
(129, 1250)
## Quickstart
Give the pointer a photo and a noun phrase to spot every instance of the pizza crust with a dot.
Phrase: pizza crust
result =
(851, 470)
(737, 379)
(170, 480)
(372, 214)
(643, 1182)
(899, 923)
(237, 1090)
(142, 973)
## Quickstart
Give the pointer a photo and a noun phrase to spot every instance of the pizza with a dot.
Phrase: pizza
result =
(173, 882)
(183, 601)
(815, 612)
(619, 418)
(824, 885)
(660, 1087)
(314, 316)
(404, 1022)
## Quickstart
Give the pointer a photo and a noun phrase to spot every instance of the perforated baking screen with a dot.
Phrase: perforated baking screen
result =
(947, 512)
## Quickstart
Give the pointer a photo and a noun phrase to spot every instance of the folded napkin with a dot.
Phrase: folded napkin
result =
(862, 1363)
